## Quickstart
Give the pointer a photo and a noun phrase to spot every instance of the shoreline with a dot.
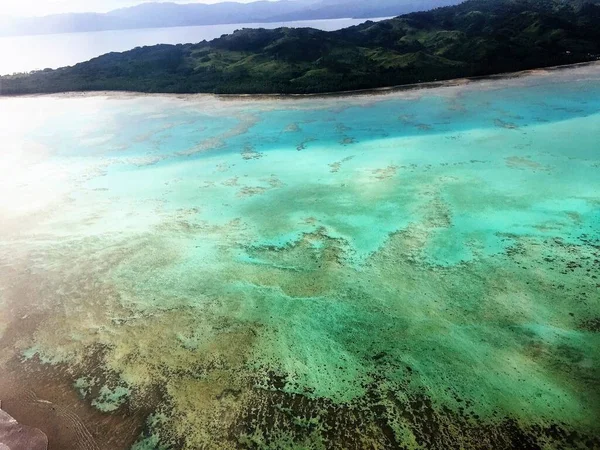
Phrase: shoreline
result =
(453, 82)
(380, 91)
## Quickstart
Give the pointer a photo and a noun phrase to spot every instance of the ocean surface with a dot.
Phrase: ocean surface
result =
(419, 269)
(26, 53)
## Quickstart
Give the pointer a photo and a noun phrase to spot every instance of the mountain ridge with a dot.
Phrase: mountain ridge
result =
(475, 38)
(169, 14)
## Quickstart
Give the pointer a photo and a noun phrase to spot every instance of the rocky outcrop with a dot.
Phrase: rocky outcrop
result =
(14, 436)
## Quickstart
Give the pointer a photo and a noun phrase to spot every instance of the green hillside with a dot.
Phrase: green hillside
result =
(478, 37)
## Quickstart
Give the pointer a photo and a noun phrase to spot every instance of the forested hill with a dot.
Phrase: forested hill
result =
(478, 37)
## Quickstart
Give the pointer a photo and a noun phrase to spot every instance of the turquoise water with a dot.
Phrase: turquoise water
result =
(411, 270)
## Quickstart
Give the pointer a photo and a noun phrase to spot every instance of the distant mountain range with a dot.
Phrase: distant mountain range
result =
(157, 15)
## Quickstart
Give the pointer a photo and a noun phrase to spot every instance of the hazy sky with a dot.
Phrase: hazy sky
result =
(43, 7)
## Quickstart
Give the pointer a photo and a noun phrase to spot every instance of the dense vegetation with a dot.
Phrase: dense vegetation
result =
(478, 37)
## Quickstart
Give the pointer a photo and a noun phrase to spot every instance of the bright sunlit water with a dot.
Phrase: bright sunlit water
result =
(417, 269)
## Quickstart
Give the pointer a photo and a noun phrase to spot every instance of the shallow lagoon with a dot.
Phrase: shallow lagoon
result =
(412, 270)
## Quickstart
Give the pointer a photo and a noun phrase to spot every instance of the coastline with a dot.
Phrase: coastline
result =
(453, 82)
(381, 91)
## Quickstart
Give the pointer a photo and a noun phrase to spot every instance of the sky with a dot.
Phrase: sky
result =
(26, 8)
